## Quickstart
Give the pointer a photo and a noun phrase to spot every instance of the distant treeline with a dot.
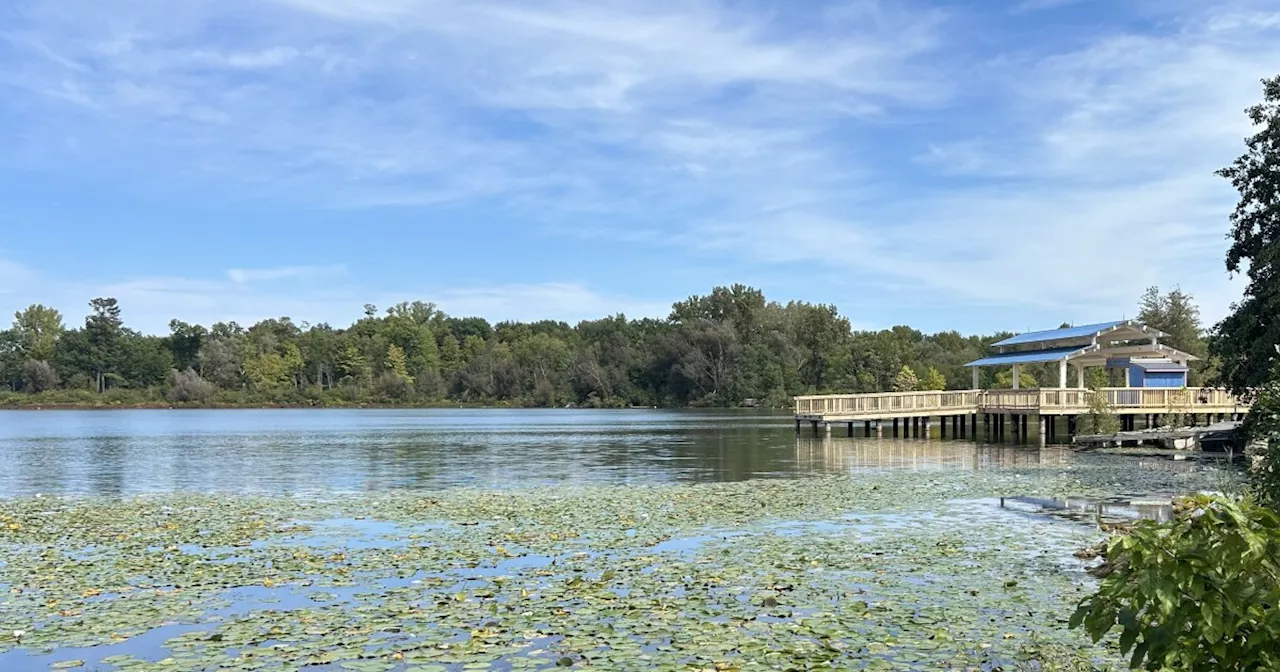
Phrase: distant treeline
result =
(731, 347)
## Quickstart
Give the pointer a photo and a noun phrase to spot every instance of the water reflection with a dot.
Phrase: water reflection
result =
(272, 450)
(856, 454)
(117, 453)
(1159, 509)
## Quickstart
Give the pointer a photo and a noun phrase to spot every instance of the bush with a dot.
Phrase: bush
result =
(38, 376)
(1201, 592)
(188, 386)
(544, 394)
(393, 387)
(1101, 416)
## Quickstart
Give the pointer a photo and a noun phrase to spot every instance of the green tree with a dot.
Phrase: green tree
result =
(1176, 314)
(709, 353)
(11, 361)
(450, 355)
(398, 362)
(352, 364)
(37, 329)
(822, 335)
(906, 380)
(320, 347)
(1243, 340)
(103, 329)
(543, 360)
(266, 372)
(184, 343)
(739, 306)
(1026, 381)
(933, 380)
(144, 361)
(220, 361)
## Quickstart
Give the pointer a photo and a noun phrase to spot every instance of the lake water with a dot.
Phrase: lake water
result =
(125, 452)
(400, 555)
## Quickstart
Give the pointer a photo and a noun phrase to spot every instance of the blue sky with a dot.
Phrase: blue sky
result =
(968, 165)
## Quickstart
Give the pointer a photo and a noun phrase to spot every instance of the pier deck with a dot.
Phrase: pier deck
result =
(831, 408)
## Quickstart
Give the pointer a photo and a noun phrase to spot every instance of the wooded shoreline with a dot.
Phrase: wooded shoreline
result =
(730, 348)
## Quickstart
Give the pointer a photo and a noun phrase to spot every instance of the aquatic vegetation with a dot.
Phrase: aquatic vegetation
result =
(890, 570)
(1201, 592)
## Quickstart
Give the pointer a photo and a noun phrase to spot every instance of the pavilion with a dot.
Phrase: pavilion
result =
(1126, 344)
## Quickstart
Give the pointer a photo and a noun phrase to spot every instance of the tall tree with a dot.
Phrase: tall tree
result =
(184, 342)
(1245, 340)
(1176, 314)
(906, 380)
(933, 380)
(103, 328)
(37, 329)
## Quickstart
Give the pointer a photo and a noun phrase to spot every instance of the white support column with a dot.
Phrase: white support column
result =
(1080, 376)
(975, 377)
(1062, 374)
(1016, 375)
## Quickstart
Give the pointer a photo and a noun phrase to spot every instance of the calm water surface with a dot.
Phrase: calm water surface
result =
(354, 450)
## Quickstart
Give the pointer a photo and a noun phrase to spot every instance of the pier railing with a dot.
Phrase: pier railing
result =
(1051, 401)
(888, 404)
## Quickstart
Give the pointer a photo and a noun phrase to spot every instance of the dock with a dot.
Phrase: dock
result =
(1005, 412)
(1154, 376)
(1220, 433)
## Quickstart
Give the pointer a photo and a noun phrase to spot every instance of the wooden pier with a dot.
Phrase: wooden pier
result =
(915, 412)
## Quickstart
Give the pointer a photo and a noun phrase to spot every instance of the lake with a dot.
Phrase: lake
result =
(462, 540)
(123, 452)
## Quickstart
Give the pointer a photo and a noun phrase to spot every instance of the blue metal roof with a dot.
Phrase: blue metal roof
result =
(1082, 331)
(1049, 355)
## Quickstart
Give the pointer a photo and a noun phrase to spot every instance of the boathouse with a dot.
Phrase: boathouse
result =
(1126, 344)
(1154, 383)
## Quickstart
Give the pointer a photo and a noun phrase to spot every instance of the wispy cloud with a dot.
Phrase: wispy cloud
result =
(569, 302)
(250, 275)
(329, 295)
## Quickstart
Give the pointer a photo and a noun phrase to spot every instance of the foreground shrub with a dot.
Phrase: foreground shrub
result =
(1262, 431)
(1199, 593)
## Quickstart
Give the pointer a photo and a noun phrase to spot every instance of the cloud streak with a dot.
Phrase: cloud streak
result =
(244, 276)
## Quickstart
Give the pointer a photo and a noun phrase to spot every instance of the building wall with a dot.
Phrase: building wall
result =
(1165, 379)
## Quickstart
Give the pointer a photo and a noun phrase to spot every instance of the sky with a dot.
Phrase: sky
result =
(977, 165)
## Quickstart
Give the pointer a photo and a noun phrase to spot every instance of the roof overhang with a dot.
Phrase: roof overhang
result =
(1105, 332)
(1086, 355)
(1031, 356)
